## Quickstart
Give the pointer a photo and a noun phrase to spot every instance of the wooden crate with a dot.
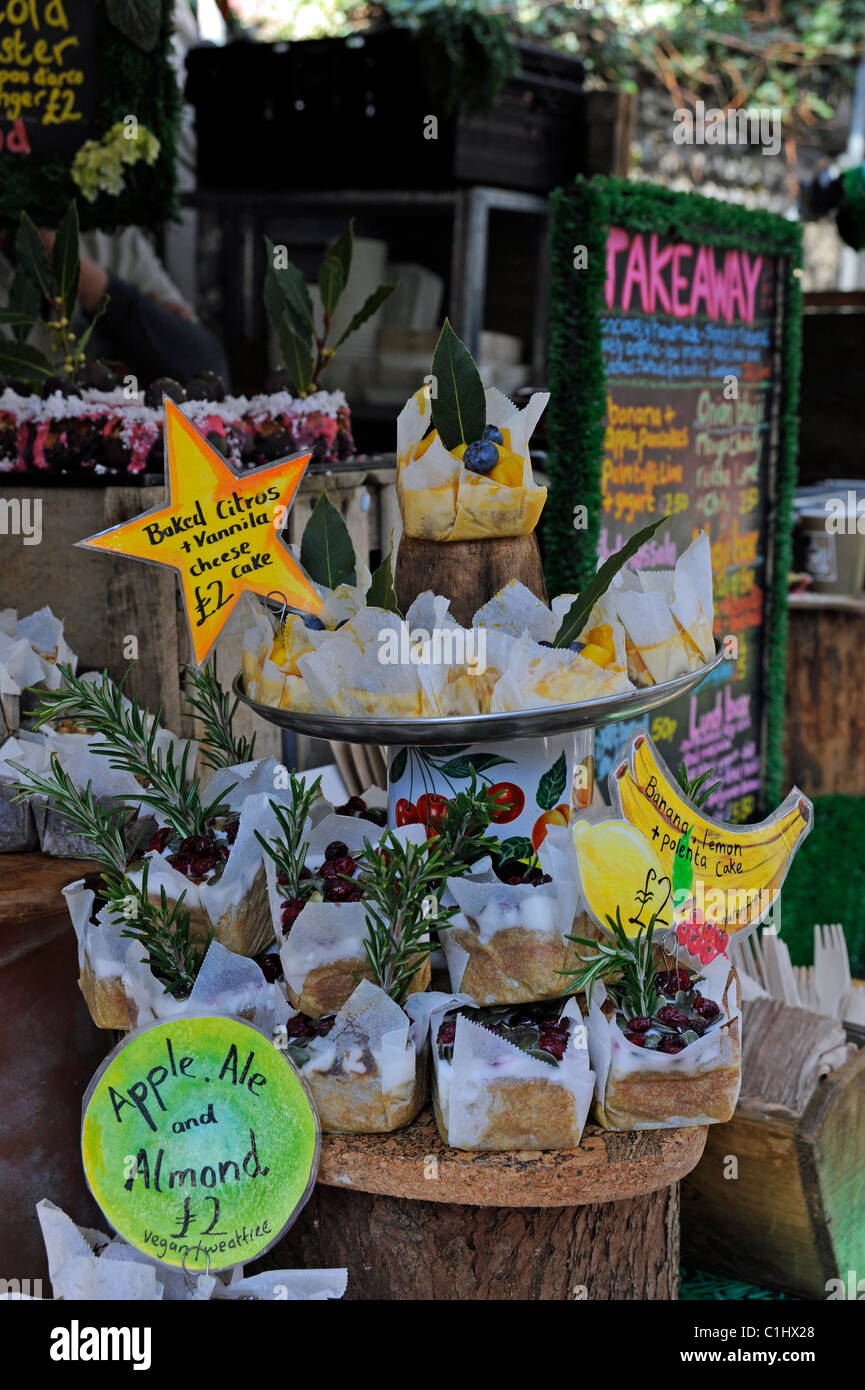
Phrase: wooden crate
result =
(794, 1217)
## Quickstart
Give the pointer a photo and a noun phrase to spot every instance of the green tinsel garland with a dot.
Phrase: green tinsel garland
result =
(581, 216)
(131, 82)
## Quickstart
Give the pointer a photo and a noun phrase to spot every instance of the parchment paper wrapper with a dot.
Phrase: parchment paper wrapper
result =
(352, 672)
(441, 500)
(507, 946)
(636, 1088)
(17, 826)
(323, 956)
(101, 957)
(235, 905)
(86, 1264)
(227, 985)
(492, 1096)
(368, 1074)
(30, 650)
(668, 616)
(515, 610)
(536, 676)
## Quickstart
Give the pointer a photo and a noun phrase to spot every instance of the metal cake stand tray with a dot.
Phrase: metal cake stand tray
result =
(482, 728)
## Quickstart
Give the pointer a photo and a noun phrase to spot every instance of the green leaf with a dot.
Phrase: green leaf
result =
(397, 767)
(331, 283)
(343, 249)
(32, 256)
(370, 306)
(15, 317)
(94, 319)
(459, 407)
(472, 762)
(24, 361)
(517, 847)
(326, 551)
(296, 301)
(65, 261)
(577, 615)
(683, 869)
(138, 20)
(25, 297)
(381, 592)
(551, 785)
(296, 356)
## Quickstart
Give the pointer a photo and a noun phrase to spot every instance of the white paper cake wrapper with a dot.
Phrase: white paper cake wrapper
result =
(492, 1096)
(227, 985)
(84, 1264)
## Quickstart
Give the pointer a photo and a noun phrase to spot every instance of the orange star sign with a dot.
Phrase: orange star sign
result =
(219, 529)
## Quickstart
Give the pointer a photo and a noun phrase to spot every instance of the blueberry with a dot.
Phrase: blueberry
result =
(481, 456)
(493, 433)
(205, 386)
(576, 646)
(59, 386)
(163, 385)
(315, 623)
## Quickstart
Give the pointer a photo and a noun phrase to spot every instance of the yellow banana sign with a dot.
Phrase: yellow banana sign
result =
(735, 871)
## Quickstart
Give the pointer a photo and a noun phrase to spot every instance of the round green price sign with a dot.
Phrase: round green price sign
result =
(200, 1142)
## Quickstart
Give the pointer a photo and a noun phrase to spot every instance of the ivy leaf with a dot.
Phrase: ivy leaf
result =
(683, 870)
(551, 785)
(139, 21)
(65, 262)
(577, 615)
(397, 767)
(381, 592)
(343, 250)
(326, 551)
(296, 356)
(331, 283)
(472, 762)
(459, 407)
(370, 306)
(26, 300)
(24, 361)
(32, 256)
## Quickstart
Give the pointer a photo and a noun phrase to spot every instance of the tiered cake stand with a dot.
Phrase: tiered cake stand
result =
(414, 1219)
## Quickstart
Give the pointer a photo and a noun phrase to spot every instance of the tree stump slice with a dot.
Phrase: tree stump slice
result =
(411, 1218)
(466, 572)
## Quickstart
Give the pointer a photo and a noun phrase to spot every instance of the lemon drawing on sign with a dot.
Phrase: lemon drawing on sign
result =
(620, 869)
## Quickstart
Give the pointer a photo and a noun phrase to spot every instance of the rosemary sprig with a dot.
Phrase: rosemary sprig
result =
(460, 834)
(128, 739)
(400, 892)
(162, 928)
(693, 789)
(288, 851)
(220, 747)
(625, 965)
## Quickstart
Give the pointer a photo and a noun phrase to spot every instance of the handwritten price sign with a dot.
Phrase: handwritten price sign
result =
(199, 1142)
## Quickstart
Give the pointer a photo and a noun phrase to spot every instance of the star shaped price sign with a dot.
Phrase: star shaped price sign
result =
(219, 529)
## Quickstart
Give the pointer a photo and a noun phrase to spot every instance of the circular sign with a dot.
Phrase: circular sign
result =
(200, 1142)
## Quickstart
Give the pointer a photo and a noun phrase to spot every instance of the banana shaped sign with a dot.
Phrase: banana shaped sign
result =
(657, 854)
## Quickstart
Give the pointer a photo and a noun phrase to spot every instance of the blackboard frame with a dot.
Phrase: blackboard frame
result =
(131, 80)
(581, 216)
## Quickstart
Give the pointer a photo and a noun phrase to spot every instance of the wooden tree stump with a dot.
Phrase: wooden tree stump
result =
(412, 1219)
(466, 572)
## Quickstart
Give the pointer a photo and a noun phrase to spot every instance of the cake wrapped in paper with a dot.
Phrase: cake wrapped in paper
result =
(464, 471)
(365, 1065)
(664, 1029)
(101, 956)
(316, 892)
(512, 1077)
(668, 616)
(509, 942)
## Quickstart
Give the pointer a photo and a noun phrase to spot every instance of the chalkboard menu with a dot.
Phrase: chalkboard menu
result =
(678, 389)
(73, 72)
(49, 81)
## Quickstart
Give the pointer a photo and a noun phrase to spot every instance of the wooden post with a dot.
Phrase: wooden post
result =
(466, 572)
